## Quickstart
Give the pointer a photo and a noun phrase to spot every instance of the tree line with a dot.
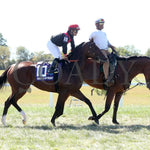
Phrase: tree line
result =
(22, 54)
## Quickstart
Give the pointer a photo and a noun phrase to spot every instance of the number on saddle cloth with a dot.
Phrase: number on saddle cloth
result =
(42, 71)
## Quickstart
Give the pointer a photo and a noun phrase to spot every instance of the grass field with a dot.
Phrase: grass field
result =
(74, 131)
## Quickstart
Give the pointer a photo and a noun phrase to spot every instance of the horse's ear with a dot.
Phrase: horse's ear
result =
(82, 44)
(91, 44)
(91, 40)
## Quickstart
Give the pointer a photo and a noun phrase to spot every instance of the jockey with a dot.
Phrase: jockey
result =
(61, 40)
(100, 39)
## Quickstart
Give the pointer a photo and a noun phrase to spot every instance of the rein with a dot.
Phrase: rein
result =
(73, 60)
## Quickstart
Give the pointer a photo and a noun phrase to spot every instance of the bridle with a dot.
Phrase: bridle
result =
(92, 45)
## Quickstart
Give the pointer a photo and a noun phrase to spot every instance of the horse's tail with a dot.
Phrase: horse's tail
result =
(3, 78)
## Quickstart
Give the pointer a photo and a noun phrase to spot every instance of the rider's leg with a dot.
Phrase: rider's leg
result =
(54, 64)
(108, 77)
(54, 50)
(106, 64)
(111, 72)
(106, 69)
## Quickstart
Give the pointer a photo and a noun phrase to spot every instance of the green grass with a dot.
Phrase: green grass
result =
(74, 131)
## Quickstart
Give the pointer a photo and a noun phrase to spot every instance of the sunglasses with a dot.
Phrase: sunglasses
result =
(101, 23)
(75, 31)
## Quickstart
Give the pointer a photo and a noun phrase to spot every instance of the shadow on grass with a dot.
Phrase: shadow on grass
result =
(107, 128)
(113, 129)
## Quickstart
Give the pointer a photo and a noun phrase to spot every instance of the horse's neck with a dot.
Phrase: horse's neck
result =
(78, 56)
(91, 70)
(134, 67)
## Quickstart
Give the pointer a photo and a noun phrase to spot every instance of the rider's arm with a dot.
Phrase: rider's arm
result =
(91, 38)
(64, 48)
(110, 45)
(72, 44)
(64, 44)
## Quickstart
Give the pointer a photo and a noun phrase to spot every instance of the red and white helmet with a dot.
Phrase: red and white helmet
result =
(74, 26)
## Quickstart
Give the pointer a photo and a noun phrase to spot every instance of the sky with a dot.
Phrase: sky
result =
(31, 23)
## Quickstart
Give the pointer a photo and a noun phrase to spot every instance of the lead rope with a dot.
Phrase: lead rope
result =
(139, 83)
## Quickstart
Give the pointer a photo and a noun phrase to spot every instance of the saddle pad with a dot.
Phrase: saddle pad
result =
(42, 72)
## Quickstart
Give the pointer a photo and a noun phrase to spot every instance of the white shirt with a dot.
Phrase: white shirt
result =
(100, 39)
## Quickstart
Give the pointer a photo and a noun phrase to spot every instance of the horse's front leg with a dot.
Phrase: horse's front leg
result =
(59, 106)
(78, 94)
(109, 98)
(116, 104)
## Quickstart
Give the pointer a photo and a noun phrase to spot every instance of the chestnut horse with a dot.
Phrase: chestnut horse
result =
(126, 70)
(20, 76)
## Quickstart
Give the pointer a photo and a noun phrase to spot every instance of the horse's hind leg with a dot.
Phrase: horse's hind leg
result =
(6, 107)
(78, 94)
(110, 96)
(13, 100)
(14, 103)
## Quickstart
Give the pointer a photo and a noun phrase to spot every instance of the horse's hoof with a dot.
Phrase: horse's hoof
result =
(96, 121)
(4, 121)
(91, 118)
(116, 122)
(24, 122)
(53, 123)
(5, 125)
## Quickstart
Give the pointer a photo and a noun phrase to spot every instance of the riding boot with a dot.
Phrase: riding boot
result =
(53, 66)
(110, 81)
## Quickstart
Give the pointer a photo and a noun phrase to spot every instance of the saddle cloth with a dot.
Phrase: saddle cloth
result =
(42, 71)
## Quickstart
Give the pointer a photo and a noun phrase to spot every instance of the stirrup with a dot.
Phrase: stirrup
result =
(53, 70)
(109, 83)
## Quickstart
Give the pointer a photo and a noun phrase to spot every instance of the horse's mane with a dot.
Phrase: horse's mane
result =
(131, 57)
(75, 51)
(79, 46)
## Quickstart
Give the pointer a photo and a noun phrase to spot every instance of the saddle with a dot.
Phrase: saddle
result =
(45, 72)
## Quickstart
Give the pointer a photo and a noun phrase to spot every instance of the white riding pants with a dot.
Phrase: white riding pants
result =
(54, 50)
